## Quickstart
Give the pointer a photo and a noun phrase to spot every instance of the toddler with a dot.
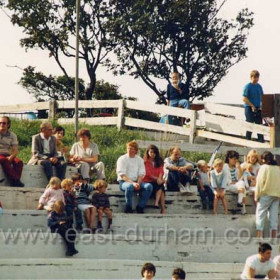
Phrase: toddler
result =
(101, 201)
(52, 193)
(249, 177)
(204, 185)
(219, 183)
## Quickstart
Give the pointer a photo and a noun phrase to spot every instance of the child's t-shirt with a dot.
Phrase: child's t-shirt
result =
(204, 178)
(218, 180)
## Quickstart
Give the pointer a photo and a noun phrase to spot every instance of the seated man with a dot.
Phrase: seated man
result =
(12, 166)
(177, 171)
(84, 155)
(131, 170)
(44, 152)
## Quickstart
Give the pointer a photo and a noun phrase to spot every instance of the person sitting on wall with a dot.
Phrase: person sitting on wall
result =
(44, 152)
(12, 166)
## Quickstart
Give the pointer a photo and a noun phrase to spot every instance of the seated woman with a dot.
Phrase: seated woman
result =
(154, 175)
(177, 95)
(59, 133)
(84, 155)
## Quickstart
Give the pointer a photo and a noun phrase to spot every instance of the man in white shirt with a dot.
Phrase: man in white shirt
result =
(130, 171)
(44, 152)
(260, 265)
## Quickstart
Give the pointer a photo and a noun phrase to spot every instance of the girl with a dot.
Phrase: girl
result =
(219, 182)
(52, 193)
(154, 175)
(148, 271)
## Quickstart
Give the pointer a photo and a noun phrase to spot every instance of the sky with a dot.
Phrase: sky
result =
(263, 55)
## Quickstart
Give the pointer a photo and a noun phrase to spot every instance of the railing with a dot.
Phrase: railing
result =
(218, 122)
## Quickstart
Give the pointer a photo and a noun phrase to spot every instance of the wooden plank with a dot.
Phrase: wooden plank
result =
(24, 107)
(91, 121)
(120, 114)
(156, 126)
(192, 127)
(226, 110)
(89, 104)
(160, 109)
(231, 126)
(231, 139)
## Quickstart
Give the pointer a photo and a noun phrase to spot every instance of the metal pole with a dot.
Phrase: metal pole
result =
(77, 69)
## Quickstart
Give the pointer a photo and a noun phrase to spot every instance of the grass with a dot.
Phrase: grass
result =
(110, 141)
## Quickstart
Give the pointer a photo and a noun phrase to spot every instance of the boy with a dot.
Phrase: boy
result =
(252, 97)
(148, 271)
(178, 274)
(77, 180)
(101, 201)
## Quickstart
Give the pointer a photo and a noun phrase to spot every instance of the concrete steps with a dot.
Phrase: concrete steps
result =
(110, 269)
(176, 203)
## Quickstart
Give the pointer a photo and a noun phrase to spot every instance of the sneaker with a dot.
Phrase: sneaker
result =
(128, 209)
(74, 252)
(17, 183)
(243, 211)
(139, 209)
(239, 205)
(109, 231)
(69, 253)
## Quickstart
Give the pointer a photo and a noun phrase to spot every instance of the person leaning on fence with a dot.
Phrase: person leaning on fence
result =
(178, 274)
(177, 94)
(177, 171)
(58, 223)
(204, 185)
(101, 201)
(235, 183)
(219, 183)
(130, 171)
(154, 175)
(267, 194)
(252, 97)
(12, 166)
(259, 266)
(44, 152)
(84, 155)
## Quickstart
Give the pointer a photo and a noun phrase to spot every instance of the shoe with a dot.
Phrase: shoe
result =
(139, 209)
(17, 183)
(99, 230)
(2, 180)
(69, 253)
(128, 209)
(109, 231)
(204, 206)
(74, 252)
(243, 211)
(87, 231)
(79, 228)
(239, 205)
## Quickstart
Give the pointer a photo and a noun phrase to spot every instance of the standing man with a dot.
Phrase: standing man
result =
(252, 97)
(130, 171)
(12, 166)
(44, 152)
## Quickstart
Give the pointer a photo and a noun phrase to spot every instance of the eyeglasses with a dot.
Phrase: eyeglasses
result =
(4, 123)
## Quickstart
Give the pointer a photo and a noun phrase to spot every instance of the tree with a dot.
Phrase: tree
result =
(159, 36)
(50, 25)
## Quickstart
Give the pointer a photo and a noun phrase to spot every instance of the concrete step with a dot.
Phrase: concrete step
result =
(176, 203)
(110, 269)
(173, 247)
(146, 224)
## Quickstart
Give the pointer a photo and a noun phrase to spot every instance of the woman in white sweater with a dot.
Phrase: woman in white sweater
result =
(267, 194)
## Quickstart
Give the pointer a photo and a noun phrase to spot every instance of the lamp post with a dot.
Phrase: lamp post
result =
(78, 2)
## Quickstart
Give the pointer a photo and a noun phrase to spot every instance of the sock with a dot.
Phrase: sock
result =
(240, 197)
(110, 222)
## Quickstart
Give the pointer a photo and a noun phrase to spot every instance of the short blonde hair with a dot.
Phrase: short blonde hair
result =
(217, 162)
(99, 184)
(54, 181)
(133, 144)
(201, 163)
(66, 182)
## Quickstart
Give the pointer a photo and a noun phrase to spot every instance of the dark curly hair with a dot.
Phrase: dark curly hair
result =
(158, 158)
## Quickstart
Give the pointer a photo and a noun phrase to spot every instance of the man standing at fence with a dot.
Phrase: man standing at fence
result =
(44, 152)
(252, 97)
(12, 166)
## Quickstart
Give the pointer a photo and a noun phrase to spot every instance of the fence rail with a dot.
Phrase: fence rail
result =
(218, 122)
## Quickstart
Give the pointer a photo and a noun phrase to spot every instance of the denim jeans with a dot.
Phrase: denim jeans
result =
(184, 103)
(207, 193)
(268, 204)
(174, 178)
(253, 117)
(145, 192)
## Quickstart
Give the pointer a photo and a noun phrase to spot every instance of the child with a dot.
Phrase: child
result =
(249, 177)
(219, 182)
(234, 173)
(82, 191)
(77, 181)
(101, 201)
(148, 271)
(204, 185)
(71, 204)
(52, 193)
(178, 274)
(58, 222)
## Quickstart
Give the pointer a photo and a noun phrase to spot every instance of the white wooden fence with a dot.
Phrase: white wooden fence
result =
(218, 122)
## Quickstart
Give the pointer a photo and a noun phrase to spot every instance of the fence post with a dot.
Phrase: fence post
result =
(120, 114)
(276, 138)
(52, 109)
(192, 126)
